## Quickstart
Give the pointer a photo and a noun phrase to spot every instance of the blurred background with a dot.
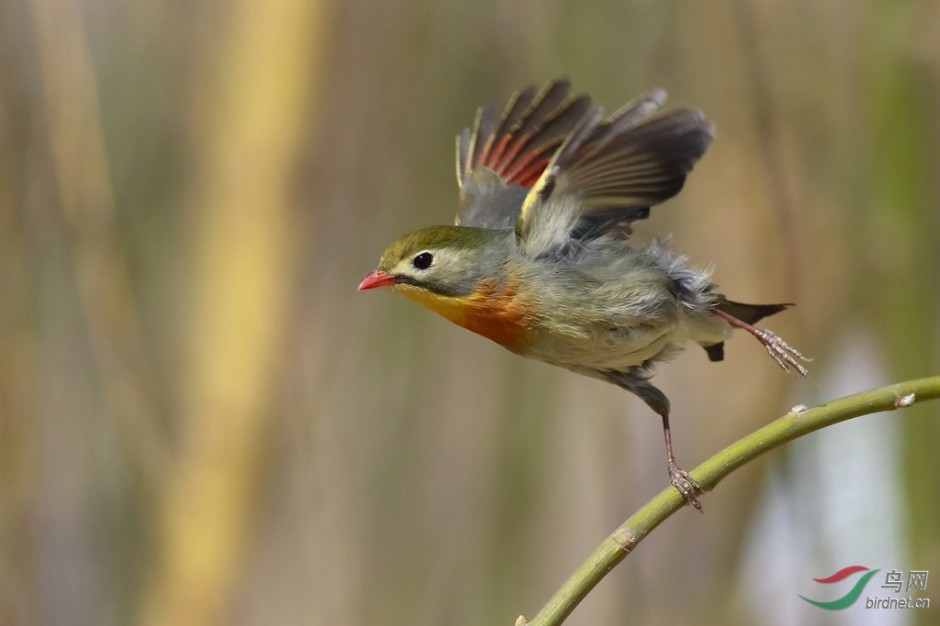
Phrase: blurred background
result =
(202, 422)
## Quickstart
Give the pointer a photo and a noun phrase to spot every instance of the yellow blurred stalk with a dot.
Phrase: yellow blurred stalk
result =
(237, 302)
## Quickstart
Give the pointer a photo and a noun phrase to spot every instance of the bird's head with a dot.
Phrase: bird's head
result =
(460, 273)
(447, 261)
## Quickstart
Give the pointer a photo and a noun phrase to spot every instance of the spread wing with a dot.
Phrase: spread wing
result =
(503, 156)
(612, 171)
(555, 169)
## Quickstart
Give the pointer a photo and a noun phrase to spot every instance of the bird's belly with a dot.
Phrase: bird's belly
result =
(606, 348)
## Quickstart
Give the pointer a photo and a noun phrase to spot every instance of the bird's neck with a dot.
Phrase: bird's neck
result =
(492, 310)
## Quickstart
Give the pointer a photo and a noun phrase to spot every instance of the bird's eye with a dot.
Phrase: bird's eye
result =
(423, 261)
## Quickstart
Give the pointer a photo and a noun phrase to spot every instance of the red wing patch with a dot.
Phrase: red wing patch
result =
(521, 143)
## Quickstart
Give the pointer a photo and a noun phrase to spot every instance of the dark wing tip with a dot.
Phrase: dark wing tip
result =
(621, 166)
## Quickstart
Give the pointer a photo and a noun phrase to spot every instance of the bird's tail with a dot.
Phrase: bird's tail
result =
(750, 313)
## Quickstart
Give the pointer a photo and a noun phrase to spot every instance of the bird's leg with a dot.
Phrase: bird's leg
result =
(783, 353)
(635, 381)
(680, 479)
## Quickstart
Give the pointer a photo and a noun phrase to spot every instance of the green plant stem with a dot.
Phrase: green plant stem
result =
(794, 424)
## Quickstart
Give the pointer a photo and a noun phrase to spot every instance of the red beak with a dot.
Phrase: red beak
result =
(378, 278)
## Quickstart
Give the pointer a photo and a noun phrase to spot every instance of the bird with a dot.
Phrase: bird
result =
(539, 258)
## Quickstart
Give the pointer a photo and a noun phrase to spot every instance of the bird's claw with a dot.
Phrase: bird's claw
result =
(783, 353)
(685, 485)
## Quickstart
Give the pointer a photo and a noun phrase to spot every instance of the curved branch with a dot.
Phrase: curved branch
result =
(796, 423)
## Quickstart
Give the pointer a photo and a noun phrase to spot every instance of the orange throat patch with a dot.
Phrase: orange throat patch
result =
(492, 310)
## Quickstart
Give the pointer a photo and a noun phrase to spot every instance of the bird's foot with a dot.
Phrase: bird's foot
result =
(685, 485)
(783, 353)
(779, 350)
